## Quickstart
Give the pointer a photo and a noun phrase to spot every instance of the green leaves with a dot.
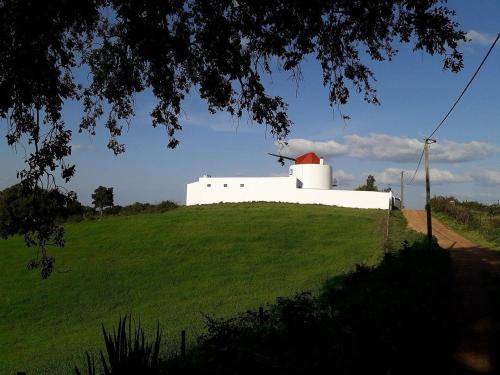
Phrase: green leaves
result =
(35, 215)
(102, 197)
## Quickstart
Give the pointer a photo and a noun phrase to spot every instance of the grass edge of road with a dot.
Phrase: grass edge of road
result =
(469, 234)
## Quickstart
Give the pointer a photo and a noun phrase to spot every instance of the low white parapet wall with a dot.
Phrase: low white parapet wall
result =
(279, 189)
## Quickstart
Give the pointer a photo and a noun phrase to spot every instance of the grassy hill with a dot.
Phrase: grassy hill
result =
(171, 267)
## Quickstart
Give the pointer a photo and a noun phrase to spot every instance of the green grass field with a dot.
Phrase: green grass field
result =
(172, 267)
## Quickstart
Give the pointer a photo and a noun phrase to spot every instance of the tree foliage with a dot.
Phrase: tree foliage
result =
(370, 184)
(34, 214)
(102, 197)
(220, 49)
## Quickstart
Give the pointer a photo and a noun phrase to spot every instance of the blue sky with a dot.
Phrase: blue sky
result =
(414, 91)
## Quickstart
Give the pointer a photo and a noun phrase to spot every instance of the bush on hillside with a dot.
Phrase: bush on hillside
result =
(473, 215)
(495, 222)
(454, 208)
(137, 208)
(90, 213)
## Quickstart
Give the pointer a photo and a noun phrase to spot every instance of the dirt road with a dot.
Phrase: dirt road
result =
(417, 220)
(475, 301)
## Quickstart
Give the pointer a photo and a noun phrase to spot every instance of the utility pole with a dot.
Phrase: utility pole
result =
(428, 141)
(402, 195)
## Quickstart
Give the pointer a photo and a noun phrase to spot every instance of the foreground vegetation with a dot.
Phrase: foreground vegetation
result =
(393, 318)
(388, 319)
(173, 267)
(474, 220)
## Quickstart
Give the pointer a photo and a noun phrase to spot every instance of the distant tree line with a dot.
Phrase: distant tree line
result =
(16, 209)
(470, 213)
(20, 216)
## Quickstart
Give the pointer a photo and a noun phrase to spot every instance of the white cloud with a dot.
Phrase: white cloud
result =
(325, 149)
(477, 37)
(383, 147)
(79, 147)
(441, 176)
(486, 177)
(387, 176)
(342, 176)
(482, 177)
(219, 122)
(391, 148)
(452, 152)
(437, 176)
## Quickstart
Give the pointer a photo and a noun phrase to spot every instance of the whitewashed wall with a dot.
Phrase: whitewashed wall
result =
(278, 189)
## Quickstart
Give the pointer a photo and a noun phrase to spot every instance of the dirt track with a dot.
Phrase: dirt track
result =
(417, 220)
(476, 291)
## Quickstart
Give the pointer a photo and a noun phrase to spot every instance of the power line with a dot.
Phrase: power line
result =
(454, 105)
(466, 87)
(416, 170)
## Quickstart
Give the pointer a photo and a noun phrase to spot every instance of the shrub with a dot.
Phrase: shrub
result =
(114, 210)
(127, 353)
(455, 209)
(495, 222)
(137, 208)
(474, 215)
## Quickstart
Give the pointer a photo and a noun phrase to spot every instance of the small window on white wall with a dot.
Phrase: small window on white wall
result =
(209, 185)
(242, 185)
(225, 185)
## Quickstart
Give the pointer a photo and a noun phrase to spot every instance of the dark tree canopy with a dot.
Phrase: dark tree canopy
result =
(220, 49)
(370, 184)
(102, 198)
(35, 215)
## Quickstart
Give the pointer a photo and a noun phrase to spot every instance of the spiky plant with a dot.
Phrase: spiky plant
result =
(127, 353)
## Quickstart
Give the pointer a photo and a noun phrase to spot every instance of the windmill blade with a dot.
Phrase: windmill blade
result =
(281, 156)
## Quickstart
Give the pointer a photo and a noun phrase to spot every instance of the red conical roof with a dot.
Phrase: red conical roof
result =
(309, 158)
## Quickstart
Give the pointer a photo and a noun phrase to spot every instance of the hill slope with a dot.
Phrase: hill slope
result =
(172, 267)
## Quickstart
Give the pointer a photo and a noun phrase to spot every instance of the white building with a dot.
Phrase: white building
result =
(309, 182)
